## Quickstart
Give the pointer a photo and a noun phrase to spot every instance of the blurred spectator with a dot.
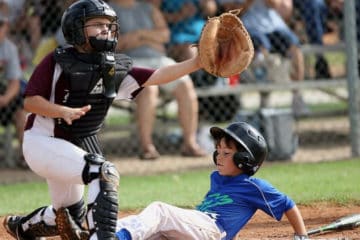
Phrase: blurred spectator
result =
(270, 34)
(23, 21)
(23, 28)
(49, 13)
(336, 8)
(10, 85)
(186, 19)
(143, 35)
(49, 43)
(314, 15)
(156, 3)
(36, 21)
(283, 7)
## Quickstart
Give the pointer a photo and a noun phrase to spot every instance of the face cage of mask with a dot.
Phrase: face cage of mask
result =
(104, 45)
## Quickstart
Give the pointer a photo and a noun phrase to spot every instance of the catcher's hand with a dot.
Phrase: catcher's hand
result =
(68, 228)
(225, 47)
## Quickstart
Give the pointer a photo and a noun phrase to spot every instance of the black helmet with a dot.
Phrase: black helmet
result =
(75, 16)
(250, 139)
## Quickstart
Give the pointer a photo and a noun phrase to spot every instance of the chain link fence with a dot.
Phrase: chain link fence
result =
(323, 133)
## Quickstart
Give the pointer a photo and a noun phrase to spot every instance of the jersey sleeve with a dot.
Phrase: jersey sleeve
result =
(41, 79)
(131, 85)
(269, 199)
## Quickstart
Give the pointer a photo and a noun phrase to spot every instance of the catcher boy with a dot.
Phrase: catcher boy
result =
(68, 96)
(233, 198)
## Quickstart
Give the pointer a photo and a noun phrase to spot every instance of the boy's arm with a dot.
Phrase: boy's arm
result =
(155, 37)
(42, 107)
(283, 7)
(12, 91)
(172, 72)
(297, 222)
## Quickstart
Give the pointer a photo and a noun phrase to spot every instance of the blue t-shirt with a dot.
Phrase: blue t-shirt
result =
(187, 30)
(232, 201)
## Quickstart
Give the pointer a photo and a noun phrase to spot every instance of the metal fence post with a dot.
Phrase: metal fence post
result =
(352, 75)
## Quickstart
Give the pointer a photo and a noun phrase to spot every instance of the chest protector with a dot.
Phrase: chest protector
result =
(92, 79)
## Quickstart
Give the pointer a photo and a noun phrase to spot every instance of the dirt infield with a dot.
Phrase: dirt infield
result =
(262, 226)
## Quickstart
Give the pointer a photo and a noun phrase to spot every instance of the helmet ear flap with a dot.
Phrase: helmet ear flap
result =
(242, 160)
(214, 156)
(79, 35)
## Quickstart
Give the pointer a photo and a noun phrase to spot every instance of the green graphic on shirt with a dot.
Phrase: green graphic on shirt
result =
(213, 200)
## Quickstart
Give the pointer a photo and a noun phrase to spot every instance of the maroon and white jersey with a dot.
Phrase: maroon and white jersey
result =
(47, 81)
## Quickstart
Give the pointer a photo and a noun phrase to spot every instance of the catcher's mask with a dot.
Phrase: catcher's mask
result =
(74, 18)
(250, 139)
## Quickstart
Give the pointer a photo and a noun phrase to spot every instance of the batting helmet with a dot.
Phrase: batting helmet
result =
(75, 16)
(250, 139)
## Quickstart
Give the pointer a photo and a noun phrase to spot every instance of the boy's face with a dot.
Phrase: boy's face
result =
(224, 159)
(101, 28)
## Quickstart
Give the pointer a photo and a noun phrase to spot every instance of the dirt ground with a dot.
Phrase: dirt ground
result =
(262, 226)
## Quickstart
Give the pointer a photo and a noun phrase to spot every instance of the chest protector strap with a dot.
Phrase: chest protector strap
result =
(91, 79)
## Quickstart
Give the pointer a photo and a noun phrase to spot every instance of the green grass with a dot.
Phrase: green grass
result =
(315, 107)
(306, 183)
(336, 58)
(118, 119)
(333, 58)
(312, 182)
(325, 107)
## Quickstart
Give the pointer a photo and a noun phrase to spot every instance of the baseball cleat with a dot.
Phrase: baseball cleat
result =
(11, 224)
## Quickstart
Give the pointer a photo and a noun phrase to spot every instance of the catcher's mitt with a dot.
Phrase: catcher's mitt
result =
(225, 47)
(68, 228)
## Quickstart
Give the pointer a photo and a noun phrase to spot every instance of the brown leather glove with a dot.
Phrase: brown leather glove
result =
(225, 47)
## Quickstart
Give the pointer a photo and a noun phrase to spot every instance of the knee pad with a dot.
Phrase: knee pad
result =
(109, 175)
(92, 159)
